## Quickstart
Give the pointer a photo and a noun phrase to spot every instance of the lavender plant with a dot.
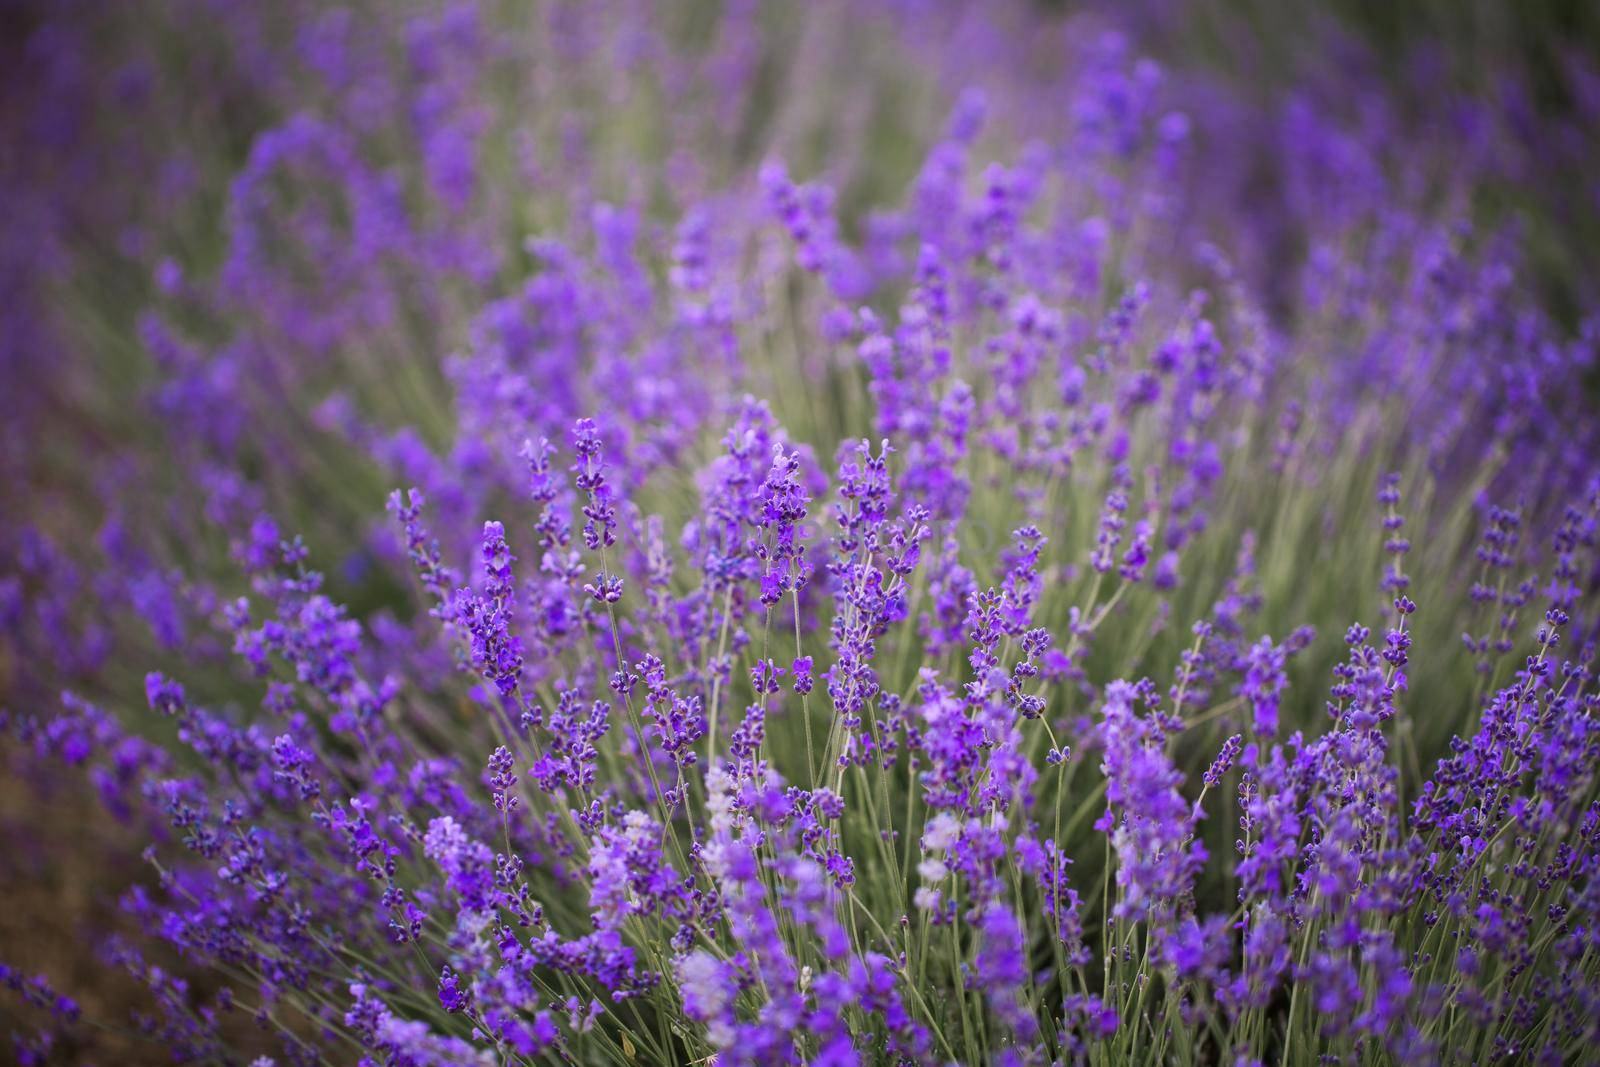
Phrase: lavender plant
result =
(618, 535)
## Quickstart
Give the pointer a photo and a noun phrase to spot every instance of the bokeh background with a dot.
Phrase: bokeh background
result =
(140, 151)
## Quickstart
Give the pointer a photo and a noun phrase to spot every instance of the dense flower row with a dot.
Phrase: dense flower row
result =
(1016, 614)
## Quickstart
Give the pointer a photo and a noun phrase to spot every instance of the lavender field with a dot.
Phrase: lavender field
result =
(744, 532)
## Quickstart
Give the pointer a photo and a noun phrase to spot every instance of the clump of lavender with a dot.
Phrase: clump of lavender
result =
(1004, 621)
